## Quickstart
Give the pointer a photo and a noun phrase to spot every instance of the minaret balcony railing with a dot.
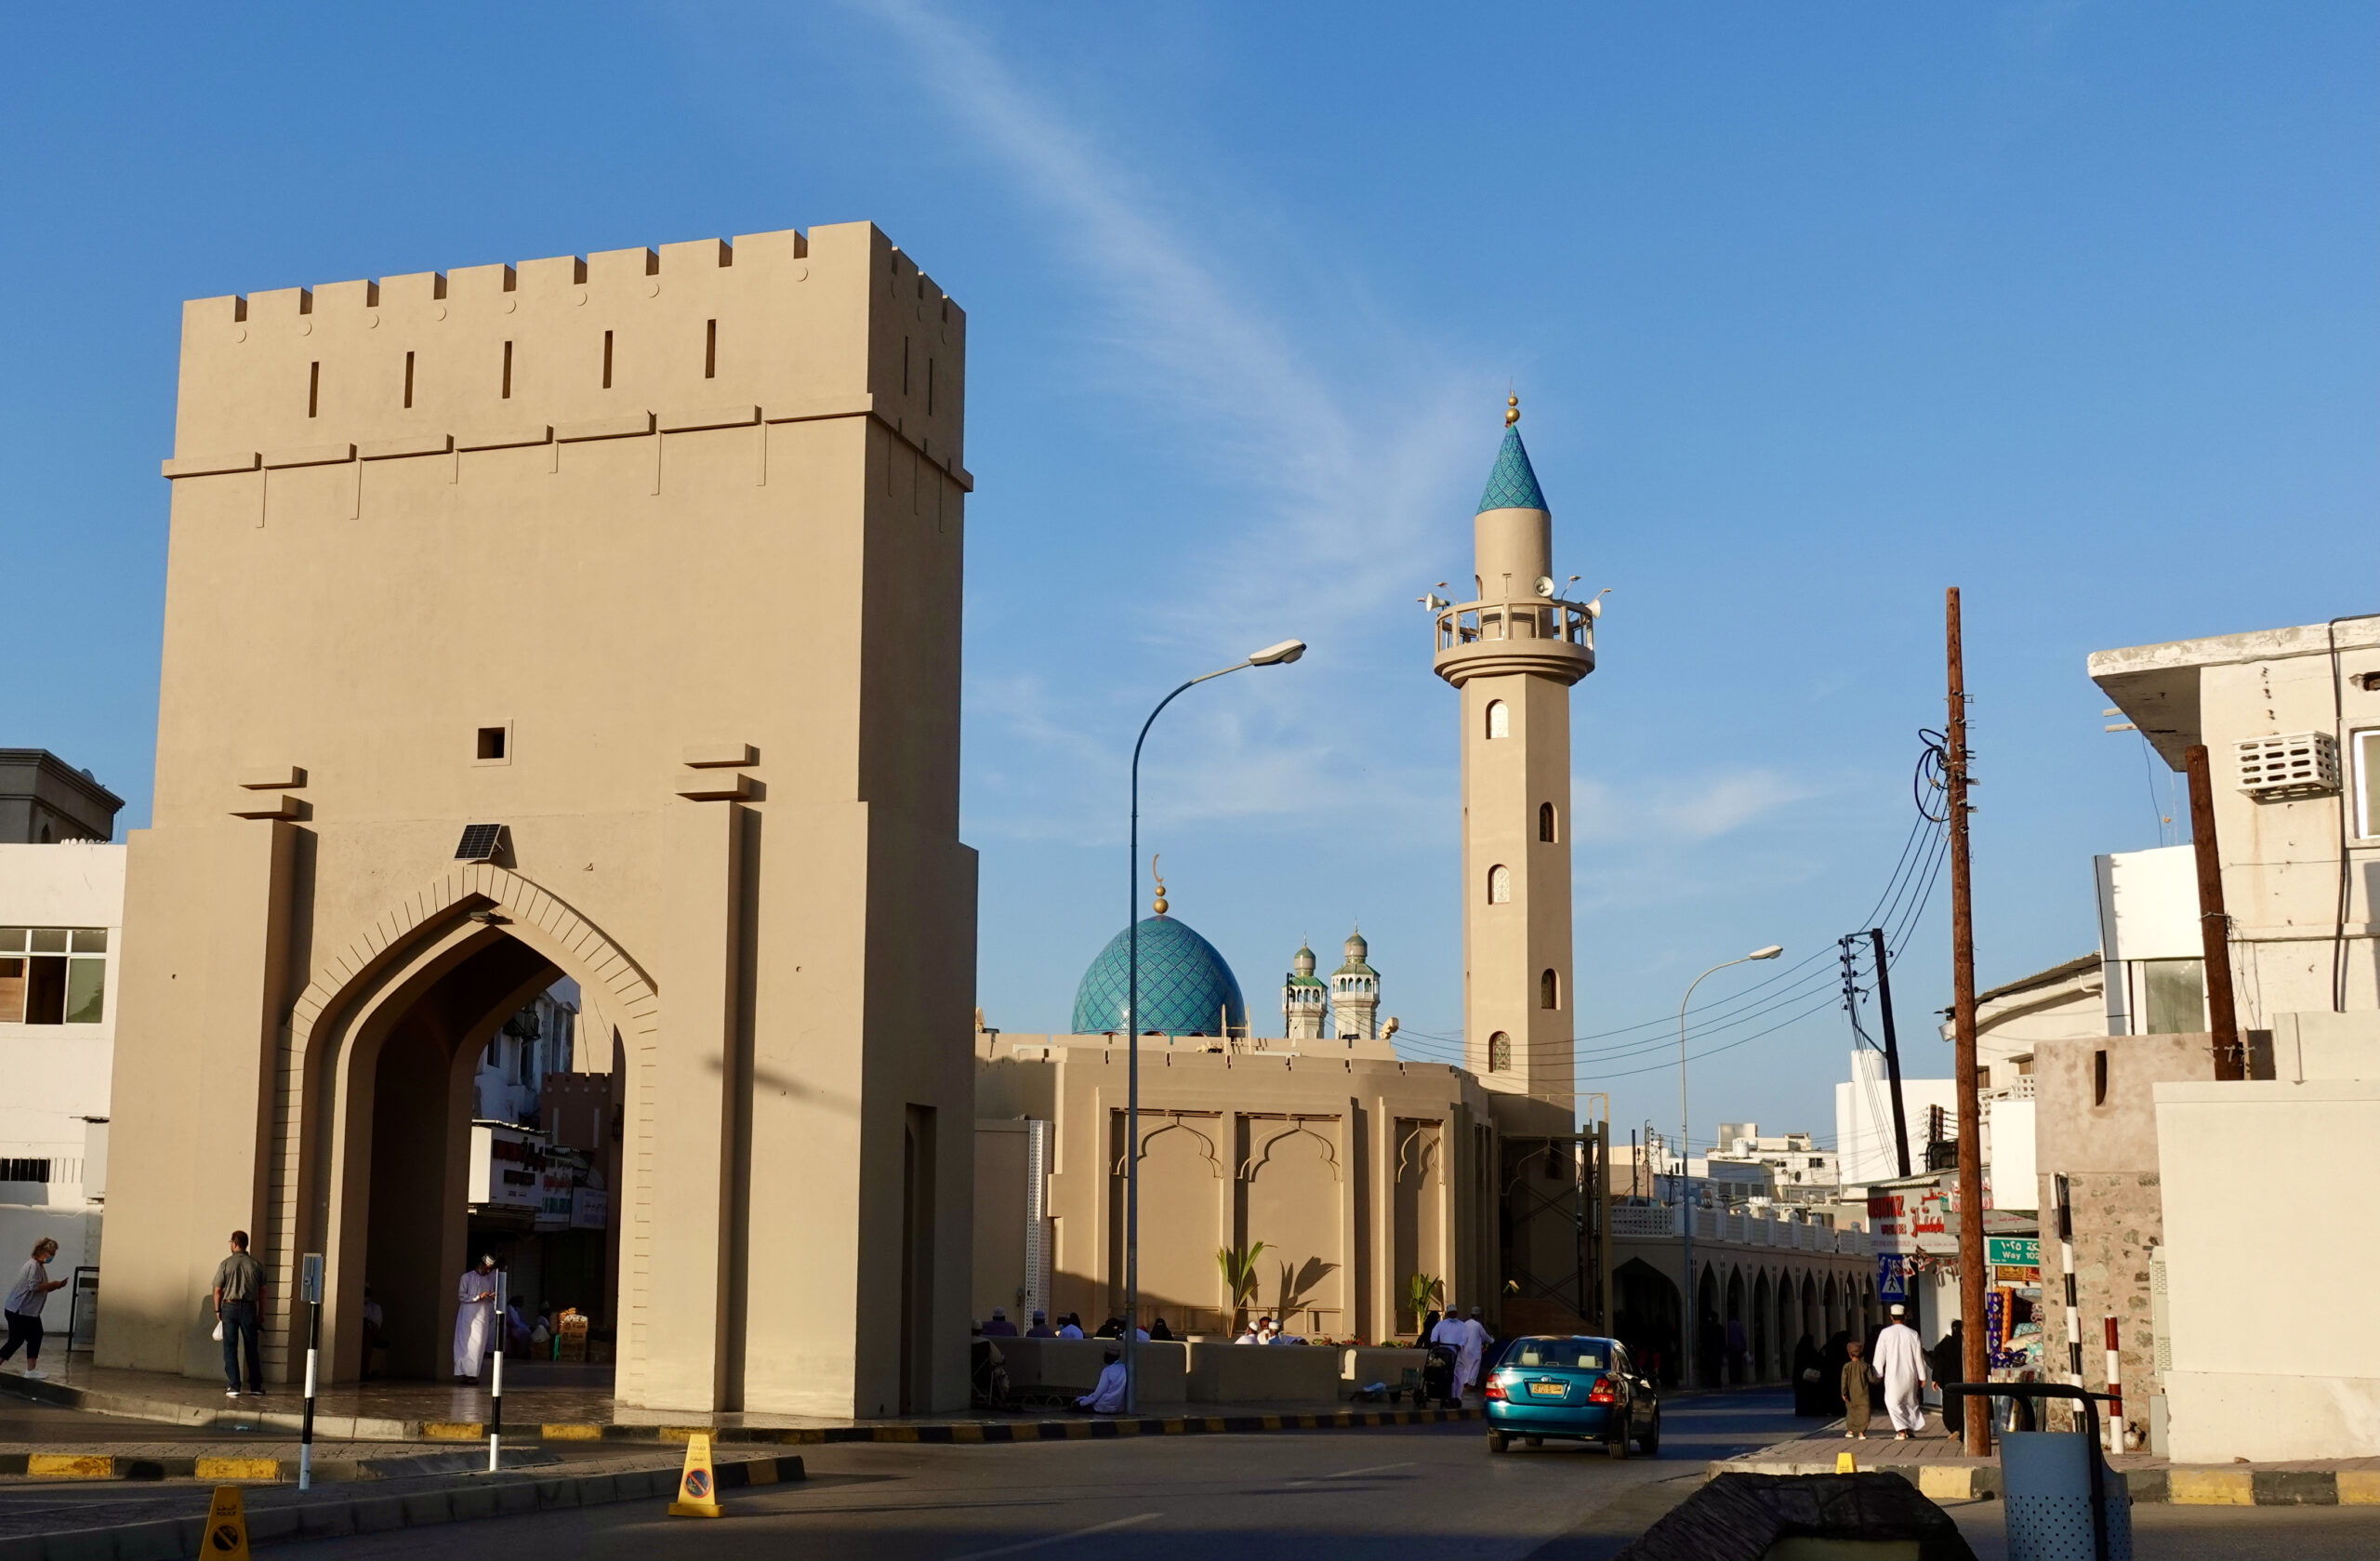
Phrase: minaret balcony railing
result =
(1533, 635)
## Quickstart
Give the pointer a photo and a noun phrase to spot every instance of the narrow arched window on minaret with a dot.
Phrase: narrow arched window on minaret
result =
(1512, 654)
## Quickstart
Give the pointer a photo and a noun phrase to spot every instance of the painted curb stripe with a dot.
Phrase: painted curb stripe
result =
(2211, 1488)
(237, 1469)
(55, 1465)
(2187, 1486)
(70, 1466)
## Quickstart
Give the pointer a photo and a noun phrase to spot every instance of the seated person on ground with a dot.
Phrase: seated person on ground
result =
(1107, 1398)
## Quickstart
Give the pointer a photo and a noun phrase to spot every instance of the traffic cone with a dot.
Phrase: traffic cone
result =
(697, 1488)
(226, 1535)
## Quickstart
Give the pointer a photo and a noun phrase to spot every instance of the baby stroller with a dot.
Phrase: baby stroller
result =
(1437, 1374)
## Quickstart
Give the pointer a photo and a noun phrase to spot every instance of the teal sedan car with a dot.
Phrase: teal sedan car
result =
(1578, 1388)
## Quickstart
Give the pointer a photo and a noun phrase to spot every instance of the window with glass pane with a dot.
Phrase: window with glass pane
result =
(48, 940)
(86, 989)
(2175, 996)
(12, 990)
(87, 939)
(2365, 746)
(45, 989)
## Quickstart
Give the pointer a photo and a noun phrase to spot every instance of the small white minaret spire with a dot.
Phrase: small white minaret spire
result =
(1303, 1000)
(1514, 654)
(1354, 992)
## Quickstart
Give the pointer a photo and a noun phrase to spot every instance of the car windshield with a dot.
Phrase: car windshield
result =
(1569, 1354)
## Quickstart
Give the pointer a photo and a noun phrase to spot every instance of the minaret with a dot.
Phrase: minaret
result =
(1513, 653)
(1354, 993)
(1302, 999)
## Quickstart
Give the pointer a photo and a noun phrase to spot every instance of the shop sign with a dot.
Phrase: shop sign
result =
(506, 1163)
(1888, 1223)
(590, 1209)
(1930, 1223)
(554, 1197)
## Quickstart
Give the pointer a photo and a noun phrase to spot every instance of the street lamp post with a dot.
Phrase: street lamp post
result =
(1270, 656)
(1688, 1322)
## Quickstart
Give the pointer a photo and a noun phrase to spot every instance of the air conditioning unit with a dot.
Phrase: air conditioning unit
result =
(2291, 765)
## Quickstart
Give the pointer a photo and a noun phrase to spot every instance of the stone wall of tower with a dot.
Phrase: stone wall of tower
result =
(730, 783)
(1511, 945)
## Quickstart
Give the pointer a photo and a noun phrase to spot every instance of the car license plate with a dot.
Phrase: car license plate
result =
(1547, 1390)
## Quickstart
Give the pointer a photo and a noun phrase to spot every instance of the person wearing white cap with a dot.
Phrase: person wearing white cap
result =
(1900, 1360)
(474, 1319)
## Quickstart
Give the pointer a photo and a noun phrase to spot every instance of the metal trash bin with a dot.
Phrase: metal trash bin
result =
(2054, 1482)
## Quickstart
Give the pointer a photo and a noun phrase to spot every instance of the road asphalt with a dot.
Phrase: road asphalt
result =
(1433, 1490)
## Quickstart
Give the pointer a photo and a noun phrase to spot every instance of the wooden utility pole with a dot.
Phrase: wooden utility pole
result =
(1955, 774)
(2213, 926)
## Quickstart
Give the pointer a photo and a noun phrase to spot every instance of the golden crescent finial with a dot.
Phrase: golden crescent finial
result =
(1160, 883)
(1512, 410)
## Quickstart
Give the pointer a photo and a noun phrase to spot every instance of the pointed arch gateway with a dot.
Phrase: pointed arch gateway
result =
(437, 975)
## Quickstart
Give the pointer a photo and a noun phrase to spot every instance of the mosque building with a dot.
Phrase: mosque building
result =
(1355, 1170)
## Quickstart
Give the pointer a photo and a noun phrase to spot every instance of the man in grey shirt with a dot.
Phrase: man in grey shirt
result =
(239, 1305)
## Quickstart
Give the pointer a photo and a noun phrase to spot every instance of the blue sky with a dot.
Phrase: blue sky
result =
(1813, 311)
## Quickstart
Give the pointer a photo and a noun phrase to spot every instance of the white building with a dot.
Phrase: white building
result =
(2258, 1181)
(1863, 1120)
(1798, 1172)
(62, 932)
(510, 1082)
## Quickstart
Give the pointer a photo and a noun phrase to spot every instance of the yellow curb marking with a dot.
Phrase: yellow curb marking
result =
(2359, 1488)
(570, 1431)
(1941, 1483)
(71, 1465)
(451, 1430)
(238, 1469)
(2211, 1488)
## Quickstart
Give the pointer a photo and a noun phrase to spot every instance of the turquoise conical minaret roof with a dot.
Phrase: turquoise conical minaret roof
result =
(1512, 484)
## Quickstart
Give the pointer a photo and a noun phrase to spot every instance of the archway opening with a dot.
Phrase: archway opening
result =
(470, 1129)
(1645, 1318)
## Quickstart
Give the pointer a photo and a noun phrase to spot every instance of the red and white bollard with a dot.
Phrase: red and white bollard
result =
(2115, 1391)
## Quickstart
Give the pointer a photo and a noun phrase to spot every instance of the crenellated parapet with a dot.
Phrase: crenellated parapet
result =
(768, 327)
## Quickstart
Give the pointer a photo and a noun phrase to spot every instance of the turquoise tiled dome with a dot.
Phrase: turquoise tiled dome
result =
(1185, 986)
(1512, 484)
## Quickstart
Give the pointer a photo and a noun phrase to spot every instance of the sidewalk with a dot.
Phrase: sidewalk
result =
(557, 1405)
(1939, 1467)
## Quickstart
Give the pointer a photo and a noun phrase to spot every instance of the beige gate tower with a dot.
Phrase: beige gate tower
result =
(593, 617)
(1512, 652)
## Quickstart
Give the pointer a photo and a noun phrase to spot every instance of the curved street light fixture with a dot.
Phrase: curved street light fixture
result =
(1690, 1322)
(1280, 655)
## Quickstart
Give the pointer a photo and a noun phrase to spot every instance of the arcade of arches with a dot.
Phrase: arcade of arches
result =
(1752, 1313)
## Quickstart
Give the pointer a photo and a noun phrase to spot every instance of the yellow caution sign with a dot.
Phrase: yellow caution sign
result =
(697, 1488)
(1843, 1464)
(226, 1537)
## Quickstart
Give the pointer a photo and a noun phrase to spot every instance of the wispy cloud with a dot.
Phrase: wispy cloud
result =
(1339, 447)
(1332, 470)
(1682, 810)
